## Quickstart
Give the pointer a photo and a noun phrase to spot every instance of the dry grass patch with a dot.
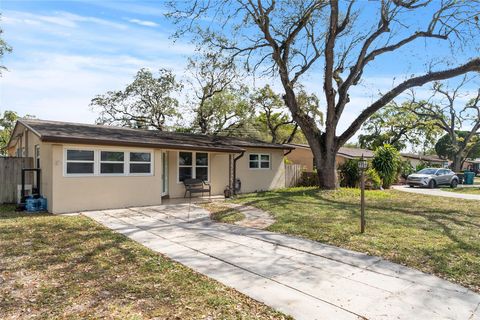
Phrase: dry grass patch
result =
(58, 267)
(221, 212)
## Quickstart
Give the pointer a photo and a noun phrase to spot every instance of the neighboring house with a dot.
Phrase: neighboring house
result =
(89, 167)
(302, 154)
(418, 159)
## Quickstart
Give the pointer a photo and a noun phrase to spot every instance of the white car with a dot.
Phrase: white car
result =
(433, 177)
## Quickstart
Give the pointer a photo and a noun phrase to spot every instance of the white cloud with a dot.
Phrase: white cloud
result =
(62, 60)
(144, 23)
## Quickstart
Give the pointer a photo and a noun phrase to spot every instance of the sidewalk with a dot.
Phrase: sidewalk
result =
(302, 278)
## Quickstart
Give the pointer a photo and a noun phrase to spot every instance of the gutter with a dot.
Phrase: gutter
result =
(235, 170)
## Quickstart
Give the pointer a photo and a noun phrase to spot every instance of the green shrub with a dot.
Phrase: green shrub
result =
(386, 162)
(349, 173)
(405, 169)
(372, 179)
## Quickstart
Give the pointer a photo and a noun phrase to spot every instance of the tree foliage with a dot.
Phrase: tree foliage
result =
(225, 113)
(4, 48)
(273, 117)
(446, 150)
(148, 102)
(220, 104)
(289, 39)
(386, 162)
(397, 126)
(444, 111)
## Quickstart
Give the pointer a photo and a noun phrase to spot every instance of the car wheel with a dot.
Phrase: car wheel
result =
(432, 184)
(454, 183)
(411, 186)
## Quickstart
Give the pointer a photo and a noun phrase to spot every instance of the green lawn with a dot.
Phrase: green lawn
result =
(432, 234)
(474, 190)
(59, 267)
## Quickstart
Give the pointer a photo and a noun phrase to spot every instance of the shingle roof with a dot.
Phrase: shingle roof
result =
(422, 157)
(343, 151)
(67, 132)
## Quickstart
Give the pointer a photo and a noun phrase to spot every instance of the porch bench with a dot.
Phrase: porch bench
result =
(196, 186)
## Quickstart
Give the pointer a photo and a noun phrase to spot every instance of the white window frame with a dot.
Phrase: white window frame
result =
(100, 162)
(97, 162)
(37, 156)
(193, 166)
(259, 161)
(66, 161)
(139, 174)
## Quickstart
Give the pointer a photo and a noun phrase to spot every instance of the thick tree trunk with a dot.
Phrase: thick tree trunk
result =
(457, 163)
(327, 171)
(324, 145)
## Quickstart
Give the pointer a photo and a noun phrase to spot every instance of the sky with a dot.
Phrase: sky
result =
(66, 52)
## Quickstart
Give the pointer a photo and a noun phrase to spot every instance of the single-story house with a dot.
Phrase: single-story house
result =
(90, 167)
(418, 159)
(302, 154)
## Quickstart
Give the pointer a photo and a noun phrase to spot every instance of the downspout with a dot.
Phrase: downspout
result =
(235, 170)
(288, 152)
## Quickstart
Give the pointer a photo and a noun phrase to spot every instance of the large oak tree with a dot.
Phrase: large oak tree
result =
(445, 110)
(339, 39)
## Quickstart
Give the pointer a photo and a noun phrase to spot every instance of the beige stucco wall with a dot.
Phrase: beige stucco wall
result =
(304, 157)
(70, 194)
(81, 193)
(261, 179)
(252, 179)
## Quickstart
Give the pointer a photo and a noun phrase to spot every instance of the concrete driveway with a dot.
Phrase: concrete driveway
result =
(438, 193)
(302, 278)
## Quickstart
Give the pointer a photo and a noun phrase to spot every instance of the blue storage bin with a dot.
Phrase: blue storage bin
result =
(42, 204)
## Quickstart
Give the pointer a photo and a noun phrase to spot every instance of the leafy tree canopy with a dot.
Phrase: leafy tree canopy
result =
(4, 48)
(397, 126)
(225, 113)
(446, 150)
(148, 102)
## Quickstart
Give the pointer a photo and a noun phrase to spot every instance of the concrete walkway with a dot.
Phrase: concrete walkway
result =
(302, 278)
(438, 193)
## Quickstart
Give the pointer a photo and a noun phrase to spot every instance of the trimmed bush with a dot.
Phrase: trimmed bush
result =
(372, 179)
(349, 173)
(386, 162)
(405, 169)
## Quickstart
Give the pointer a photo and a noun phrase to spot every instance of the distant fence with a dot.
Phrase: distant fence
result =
(11, 177)
(293, 175)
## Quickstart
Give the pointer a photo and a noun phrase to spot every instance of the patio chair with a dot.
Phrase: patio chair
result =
(196, 186)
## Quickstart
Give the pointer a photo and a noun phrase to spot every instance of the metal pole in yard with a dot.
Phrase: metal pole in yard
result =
(362, 165)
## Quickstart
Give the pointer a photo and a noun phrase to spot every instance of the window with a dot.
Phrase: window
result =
(140, 162)
(201, 166)
(185, 165)
(112, 162)
(37, 156)
(105, 162)
(192, 165)
(20, 152)
(259, 161)
(80, 162)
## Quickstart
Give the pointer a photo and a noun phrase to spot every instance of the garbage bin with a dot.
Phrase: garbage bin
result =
(468, 177)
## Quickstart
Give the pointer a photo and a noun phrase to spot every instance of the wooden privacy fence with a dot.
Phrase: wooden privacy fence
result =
(11, 177)
(293, 175)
